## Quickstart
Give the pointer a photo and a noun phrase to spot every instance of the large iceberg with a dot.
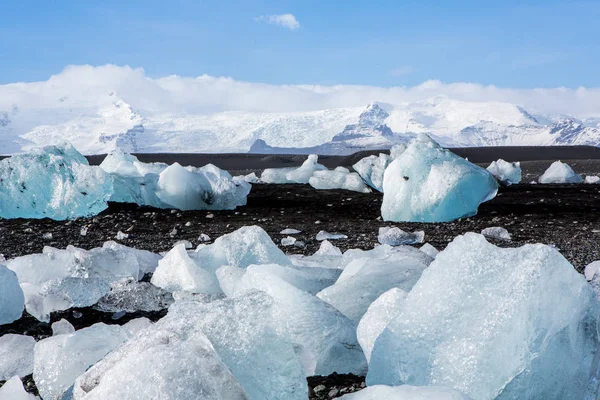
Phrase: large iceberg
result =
(12, 300)
(430, 184)
(560, 172)
(494, 323)
(52, 182)
(507, 173)
(406, 392)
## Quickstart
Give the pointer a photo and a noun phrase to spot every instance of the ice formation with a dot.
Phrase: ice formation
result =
(12, 301)
(290, 231)
(288, 241)
(406, 392)
(16, 356)
(130, 296)
(429, 250)
(303, 173)
(377, 317)
(324, 235)
(372, 168)
(560, 172)
(496, 232)
(592, 179)
(507, 173)
(62, 327)
(395, 236)
(591, 269)
(504, 323)
(340, 178)
(59, 360)
(276, 175)
(430, 184)
(52, 182)
(13, 390)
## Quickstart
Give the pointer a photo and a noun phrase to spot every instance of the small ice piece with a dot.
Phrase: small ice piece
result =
(328, 249)
(13, 390)
(12, 300)
(53, 182)
(185, 243)
(505, 323)
(62, 327)
(591, 269)
(303, 173)
(496, 232)
(137, 325)
(59, 360)
(406, 392)
(121, 236)
(290, 231)
(83, 231)
(430, 184)
(288, 241)
(338, 179)
(371, 170)
(204, 238)
(377, 317)
(251, 178)
(560, 172)
(47, 236)
(507, 173)
(592, 179)
(429, 250)
(323, 235)
(130, 296)
(16, 356)
(395, 236)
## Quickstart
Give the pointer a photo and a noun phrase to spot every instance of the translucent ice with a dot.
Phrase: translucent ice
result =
(12, 301)
(16, 356)
(303, 173)
(276, 175)
(377, 317)
(395, 236)
(288, 241)
(591, 269)
(406, 392)
(131, 296)
(429, 250)
(496, 232)
(52, 182)
(371, 169)
(325, 339)
(290, 231)
(62, 327)
(430, 184)
(503, 323)
(338, 179)
(507, 173)
(560, 172)
(13, 390)
(59, 360)
(323, 235)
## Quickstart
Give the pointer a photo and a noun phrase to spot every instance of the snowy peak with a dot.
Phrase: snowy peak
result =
(374, 116)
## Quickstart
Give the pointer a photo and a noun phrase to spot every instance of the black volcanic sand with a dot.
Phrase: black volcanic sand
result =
(565, 216)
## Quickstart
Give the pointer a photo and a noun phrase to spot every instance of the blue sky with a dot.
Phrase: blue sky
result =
(519, 44)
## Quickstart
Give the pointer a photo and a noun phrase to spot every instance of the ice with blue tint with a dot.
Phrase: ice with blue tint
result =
(339, 178)
(12, 300)
(16, 355)
(560, 172)
(507, 173)
(13, 390)
(428, 183)
(52, 182)
(494, 323)
(325, 340)
(364, 279)
(406, 392)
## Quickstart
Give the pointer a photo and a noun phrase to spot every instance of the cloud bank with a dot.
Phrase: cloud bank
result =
(85, 86)
(288, 21)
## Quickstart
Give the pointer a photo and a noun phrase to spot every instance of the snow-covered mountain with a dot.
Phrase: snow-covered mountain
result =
(105, 122)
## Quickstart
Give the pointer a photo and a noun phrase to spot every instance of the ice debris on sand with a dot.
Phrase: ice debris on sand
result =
(430, 184)
(592, 179)
(507, 173)
(324, 235)
(12, 300)
(395, 236)
(560, 172)
(16, 355)
(339, 178)
(52, 182)
(372, 168)
(13, 390)
(496, 232)
(288, 241)
(504, 323)
(406, 392)
(290, 231)
(299, 174)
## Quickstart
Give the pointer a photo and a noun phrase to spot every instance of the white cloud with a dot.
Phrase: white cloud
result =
(288, 21)
(86, 85)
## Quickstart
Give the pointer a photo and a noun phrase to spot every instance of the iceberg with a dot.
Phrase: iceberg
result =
(494, 323)
(12, 300)
(52, 182)
(430, 184)
(340, 178)
(16, 356)
(507, 173)
(560, 172)
(406, 392)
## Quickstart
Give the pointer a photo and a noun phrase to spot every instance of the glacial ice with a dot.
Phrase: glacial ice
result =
(507, 173)
(276, 175)
(406, 392)
(62, 327)
(52, 182)
(303, 173)
(371, 170)
(340, 178)
(430, 184)
(496, 232)
(13, 390)
(591, 269)
(324, 235)
(395, 236)
(12, 300)
(16, 355)
(592, 179)
(504, 323)
(378, 316)
(130, 296)
(290, 231)
(364, 279)
(324, 338)
(288, 241)
(59, 360)
(560, 172)
(429, 250)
